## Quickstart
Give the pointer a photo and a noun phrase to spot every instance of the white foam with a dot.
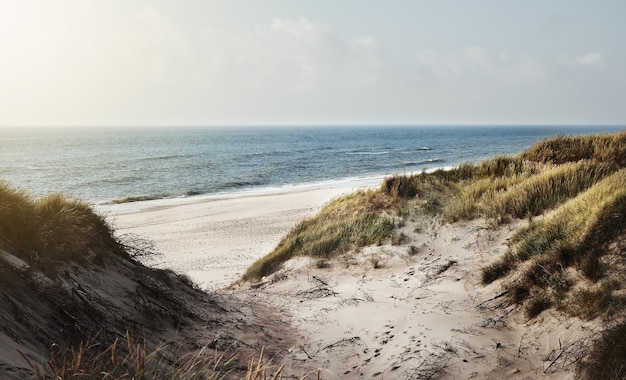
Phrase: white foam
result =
(347, 183)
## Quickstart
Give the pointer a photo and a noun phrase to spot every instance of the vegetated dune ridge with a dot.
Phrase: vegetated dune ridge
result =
(69, 285)
(510, 268)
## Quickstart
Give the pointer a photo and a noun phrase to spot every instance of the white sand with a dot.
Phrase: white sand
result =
(214, 241)
(418, 316)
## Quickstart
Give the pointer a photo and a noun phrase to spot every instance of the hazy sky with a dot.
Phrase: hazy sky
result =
(231, 62)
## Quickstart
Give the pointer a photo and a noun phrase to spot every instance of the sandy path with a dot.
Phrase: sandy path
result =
(419, 316)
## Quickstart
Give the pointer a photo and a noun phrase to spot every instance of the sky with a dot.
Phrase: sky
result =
(316, 62)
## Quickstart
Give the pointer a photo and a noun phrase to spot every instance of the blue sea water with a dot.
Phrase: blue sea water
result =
(113, 165)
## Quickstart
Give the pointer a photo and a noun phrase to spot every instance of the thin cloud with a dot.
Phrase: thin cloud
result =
(590, 59)
(585, 61)
(135, 64)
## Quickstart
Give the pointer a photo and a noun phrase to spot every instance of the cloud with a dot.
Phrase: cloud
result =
(145, 66)
(497, 67)
(301, 56)
(590, 59)
(475, 63)
(585, 61)
(284, 69)
(475, 83)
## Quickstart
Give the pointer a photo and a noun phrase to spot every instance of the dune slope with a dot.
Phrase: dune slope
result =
(66, 280)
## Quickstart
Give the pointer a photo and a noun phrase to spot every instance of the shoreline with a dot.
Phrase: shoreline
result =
(214, 240)
(109, 208)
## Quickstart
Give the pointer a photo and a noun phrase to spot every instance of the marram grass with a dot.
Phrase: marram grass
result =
(575, 236)
(51, 229)
(351, 221)
(500, 189)
(561, 149)
(130, 359)
(525, 193)
(573, 192)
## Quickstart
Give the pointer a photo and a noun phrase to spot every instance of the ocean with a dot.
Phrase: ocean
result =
(108, 166)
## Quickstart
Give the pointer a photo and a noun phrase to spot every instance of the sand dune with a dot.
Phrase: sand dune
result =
(417, 313)
(418, 316)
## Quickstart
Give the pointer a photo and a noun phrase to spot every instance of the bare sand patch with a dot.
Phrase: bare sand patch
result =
(215, 241)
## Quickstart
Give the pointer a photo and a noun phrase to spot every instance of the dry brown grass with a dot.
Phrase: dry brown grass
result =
(130, 359)
(607, 357)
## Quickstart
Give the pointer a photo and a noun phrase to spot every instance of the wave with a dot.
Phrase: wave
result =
(161, 158)
(191, 193)
(239, 184)
(226, 187)
(430, 161)
(367, 153)
(423, 162)
(152, 197)
(387, 150)
(138, 198)
(272, 153)
(113, 180)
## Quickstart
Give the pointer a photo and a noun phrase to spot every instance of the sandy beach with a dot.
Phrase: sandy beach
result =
(213, 241)
(419, 312)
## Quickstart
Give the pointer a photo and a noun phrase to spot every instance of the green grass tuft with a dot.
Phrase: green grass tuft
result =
(576, 235)
(524, 194)
(355, 220)
(562, 149)
(51, 229)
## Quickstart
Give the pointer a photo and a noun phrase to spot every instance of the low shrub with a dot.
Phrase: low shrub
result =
(538, 301)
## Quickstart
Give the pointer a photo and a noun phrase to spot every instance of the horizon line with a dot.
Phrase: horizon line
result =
(324, 125)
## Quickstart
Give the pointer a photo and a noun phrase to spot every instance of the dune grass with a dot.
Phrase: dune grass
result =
(576, 187)
(128, 358)
(561, 149)
(51, 229)
(524, 194)
(607, 357)
(537, 180)
(575, 235)
(48, 233)
(354, 220)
